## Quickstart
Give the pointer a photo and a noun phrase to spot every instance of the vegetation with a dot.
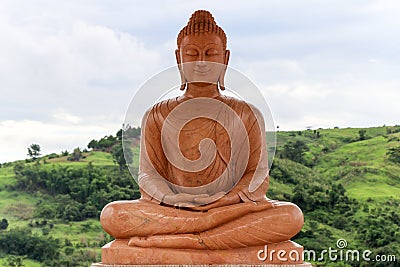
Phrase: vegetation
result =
(346, 181)
(34, 151)
(76, 155)
(3, 224)
(295, 151)
(394, 154)
(104, 144)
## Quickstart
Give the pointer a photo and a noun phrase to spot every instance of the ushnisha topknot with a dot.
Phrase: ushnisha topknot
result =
(201, 21)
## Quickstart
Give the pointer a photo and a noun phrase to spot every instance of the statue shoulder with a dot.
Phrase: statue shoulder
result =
(161, 109)
(245, 110)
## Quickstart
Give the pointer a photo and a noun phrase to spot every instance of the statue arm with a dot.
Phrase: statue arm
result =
(152, 184)
(253, 185)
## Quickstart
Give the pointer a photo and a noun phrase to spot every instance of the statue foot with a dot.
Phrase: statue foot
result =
(139, 241)
(181, 241)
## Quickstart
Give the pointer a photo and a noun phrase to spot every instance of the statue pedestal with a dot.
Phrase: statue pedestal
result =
(304, 264)
(118, 254)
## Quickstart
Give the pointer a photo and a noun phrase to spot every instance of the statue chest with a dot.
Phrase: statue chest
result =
(192, 144)
(197, 131)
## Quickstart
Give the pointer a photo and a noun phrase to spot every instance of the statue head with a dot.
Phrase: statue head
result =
(202, 56)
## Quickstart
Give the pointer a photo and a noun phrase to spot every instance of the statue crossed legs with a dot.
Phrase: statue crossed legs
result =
(235, 226)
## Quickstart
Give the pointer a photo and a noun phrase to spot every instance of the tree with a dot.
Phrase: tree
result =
(14, 261)
(362, 135)
(119, 134)
(104, 144)
(22, 242)
(131, 132)
(119, 155)
(394, 154)
(3, 224)
(93, 144)
(76, 155)
(295, 151)
(72, 213)
(34, 151)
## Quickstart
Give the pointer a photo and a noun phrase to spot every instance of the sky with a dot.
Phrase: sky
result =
(68, 69)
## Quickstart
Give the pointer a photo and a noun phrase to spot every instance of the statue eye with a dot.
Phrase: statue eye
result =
(191, 52)
(212, 52)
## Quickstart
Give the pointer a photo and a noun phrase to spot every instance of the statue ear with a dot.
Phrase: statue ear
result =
(222, 75)
(178, 56)
(227, 55)
(178, 61)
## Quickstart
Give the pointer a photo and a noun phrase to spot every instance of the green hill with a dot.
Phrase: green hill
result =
(345, 180)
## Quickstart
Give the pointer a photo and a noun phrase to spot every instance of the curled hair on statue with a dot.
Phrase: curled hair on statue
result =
(201, 21)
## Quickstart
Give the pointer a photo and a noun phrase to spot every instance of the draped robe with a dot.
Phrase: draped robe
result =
(155, 169)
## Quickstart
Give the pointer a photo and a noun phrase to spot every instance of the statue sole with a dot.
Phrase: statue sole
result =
(118, 254)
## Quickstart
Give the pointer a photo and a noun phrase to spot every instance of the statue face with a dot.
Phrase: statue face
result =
(203, 58)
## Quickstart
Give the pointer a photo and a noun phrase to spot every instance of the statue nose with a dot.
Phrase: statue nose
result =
(201, 63)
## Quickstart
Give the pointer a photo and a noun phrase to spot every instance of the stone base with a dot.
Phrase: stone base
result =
(118, 254)
(304, 264)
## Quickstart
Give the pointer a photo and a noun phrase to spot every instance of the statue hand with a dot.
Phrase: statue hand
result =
(226, 200)
(209, 199)
(182, 199)
(262, 205)
(259, 203)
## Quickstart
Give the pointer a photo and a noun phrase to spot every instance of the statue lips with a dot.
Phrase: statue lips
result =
(202, 72)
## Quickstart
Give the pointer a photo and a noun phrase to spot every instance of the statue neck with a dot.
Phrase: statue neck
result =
(208, 90)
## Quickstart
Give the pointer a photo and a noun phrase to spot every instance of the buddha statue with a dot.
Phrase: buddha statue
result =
(207, 209)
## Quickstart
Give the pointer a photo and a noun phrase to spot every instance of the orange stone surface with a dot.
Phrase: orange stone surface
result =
(118, 252)
(194, 214)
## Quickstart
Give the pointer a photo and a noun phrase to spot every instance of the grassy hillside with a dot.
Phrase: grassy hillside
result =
(342, 179)
(18, 208)
(369, 215)
(362, 167)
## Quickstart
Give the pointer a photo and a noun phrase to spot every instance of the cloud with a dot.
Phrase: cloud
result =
(298, 105)
(89, 69)
(65, 84)
(273, 70)
(77, 64)
(63, 116)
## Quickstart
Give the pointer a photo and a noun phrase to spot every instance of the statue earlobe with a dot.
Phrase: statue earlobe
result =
(227, 55)
(221, 80)
(178, 61)
(183, 80)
